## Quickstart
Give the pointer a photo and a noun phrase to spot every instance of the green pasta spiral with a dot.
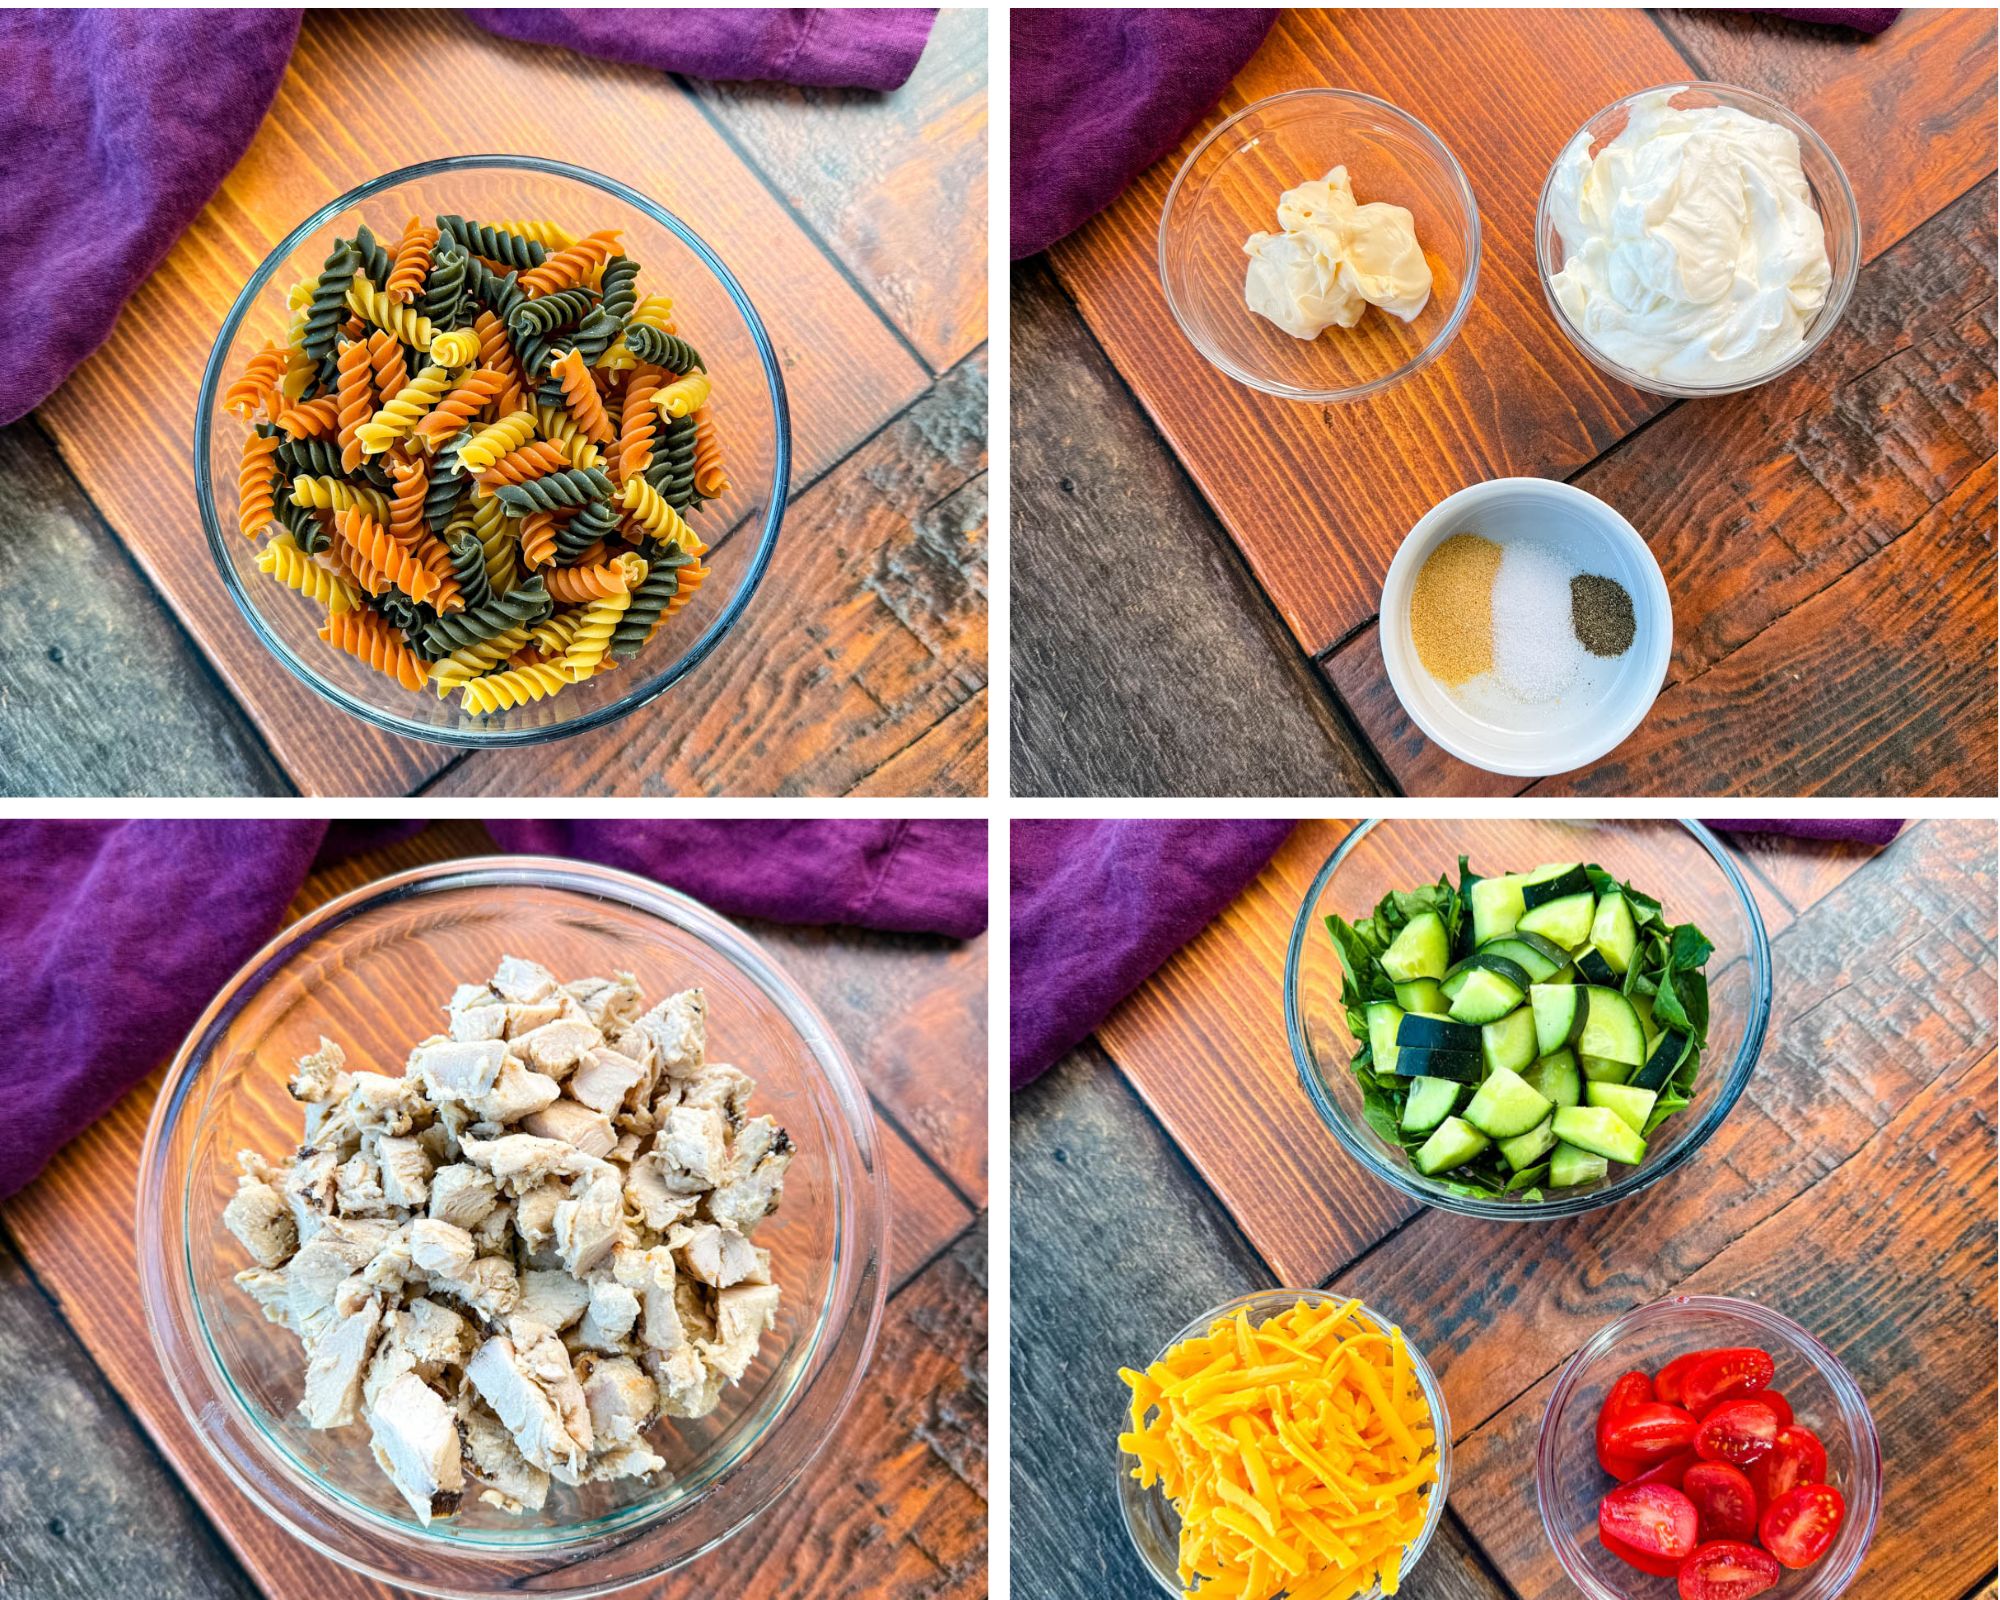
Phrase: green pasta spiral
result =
(496, 291)
(574, 487)
(444, 289)
(672, 471)
(310, 458)
(565, 308)
(661, 583)
(375, 261)
(620, 288)
(308, 532)
(412, 618)
(447, 486)
(667, 350)
(517, 608)
(595, 521)
(329, 307)
(468, 565)
(496, 244)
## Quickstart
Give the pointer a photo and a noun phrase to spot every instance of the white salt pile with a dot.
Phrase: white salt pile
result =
(1536, 655)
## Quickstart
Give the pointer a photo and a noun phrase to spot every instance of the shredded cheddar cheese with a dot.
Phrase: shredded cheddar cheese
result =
(1297, 1453)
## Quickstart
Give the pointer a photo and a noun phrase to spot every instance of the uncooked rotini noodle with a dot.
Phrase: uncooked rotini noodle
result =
(571, 265)
(552, 636)
(406, 505)
(370, 638)
(549, 235)
(582, 584)
(580, 397)
(259, 471)
(538, 538)
(455, 349)
(637, 424)
(413, 262)
(292, 567)
(683, 395)
(644, 507)
(556, 424)
(257, 388)
(366, 576)
(692, 579)
(500, 534)
(468, 398)
(370, 302)
(312, 419)
(495, 440)
(654, 311)
(357, 401)
(710, 480)
(370, 541)
(535, 460)
(593, 635)
(496, 346)
(400, 415)
(330, 494)
(461, 666)
(498, 690)
(385, 355)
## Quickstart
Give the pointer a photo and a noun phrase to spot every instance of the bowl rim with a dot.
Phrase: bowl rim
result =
(1276, 1299)
(1838, 293)
(493, 738)
(1423, 535)
(1636, 1179)
(841, 1349)
(1440, 341)
(1853, 1403)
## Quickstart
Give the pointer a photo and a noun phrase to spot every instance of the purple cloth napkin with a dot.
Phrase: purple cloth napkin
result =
(1100, 95)
(115, 936)
(1862, 20)
(117, 126)
(1874, 832)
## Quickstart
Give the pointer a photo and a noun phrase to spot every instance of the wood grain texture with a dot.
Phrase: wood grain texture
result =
(869, 631)
(100, 692)
(917, 155)
(1318, 498)
(1139, 637)
(1803, 871)
(949, 757)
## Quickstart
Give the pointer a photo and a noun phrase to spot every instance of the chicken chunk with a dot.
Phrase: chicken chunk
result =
(556, 1047)
(491, 1455)
(696, 1140)
(589, 1131)
(605, 1079)
(520, 1161)
(462, 1194)
(535, 1394)
(414, 1437)
(522, 983)
(262, 1222)
(586, 1226)
(405, 1168)
(333, 1373)
(621, 1398)
(677, 1028)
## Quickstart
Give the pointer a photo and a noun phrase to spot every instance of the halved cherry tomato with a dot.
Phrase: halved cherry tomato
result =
(1798, 1526)
(1669, 1471)
(1649, 1432)
(1726, 1570)
(1723, 1499)
(1652, 1518)
(1725, 1375)
(1796, 1458)
(1658, 1566)
(1737, 1431)
(1630, 1389)
(1667, 1386)
(1778, 1403)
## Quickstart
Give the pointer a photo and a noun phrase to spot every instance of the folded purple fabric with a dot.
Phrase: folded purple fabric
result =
(1862, 20)
(1874, 832)
(1100, 95)
(1098, 906)
(116, 935)
(117, 126)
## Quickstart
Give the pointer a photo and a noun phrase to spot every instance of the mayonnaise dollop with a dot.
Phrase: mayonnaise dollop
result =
(1694, 251)
(1335, 259)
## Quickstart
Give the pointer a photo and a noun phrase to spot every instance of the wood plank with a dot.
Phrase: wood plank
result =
(1909, 112)
(869, 631)
(88, 1507)
(1884, 440)
(1803, 871)
(100, 693)
(350, 107)
(1318, 498)
(1906, 1302)
(948, 757)
(1147, 575)
(919, 155)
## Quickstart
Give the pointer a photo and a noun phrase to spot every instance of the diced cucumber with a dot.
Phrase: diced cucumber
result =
(1614, 933)
(1524, 1150)
(1431, 1101)
(1496, 907)
(1421, 950)
(1484, 996)
(1566, 921)
(1611, 1028)
(1662, 1062)
(1383, 1020)
(1506, 1106)
(1437, 1033)
(1422, 994)
(1601, 1132)
(1455, 1143)
(1593, 968)
(1558, 1006)
(1483, 960)
(1597, 1070)
(1510, 1042)
(1556, 1078)
(1540, 958)
(1461, 1066)
(1641, 1003)
(1633, 1105)
(1569, 1166)
(1559, 882)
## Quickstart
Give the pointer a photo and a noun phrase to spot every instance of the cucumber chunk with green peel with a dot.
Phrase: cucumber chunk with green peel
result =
(1484, 960)
(1558, 1010)
(1601, 1132)
(1540, 958)
(1431, 1101)
(1455, 1143)
(1528, 1149)
(1422, 994)
(1597, 1070)
(1614, 933)
(1662, 1062)
(1611, 1028)
(1557, 1079)
(1593, 968)
(1484, 996)
(1545, 884)
(1496, 907)
(1633, 1105)
(1383, 1020)
(1461, 1066)
(1506, 1106)
(1436, 1033)
(1421, 950)
(1510, 1042)
(1566, 921)
(1569, 1166)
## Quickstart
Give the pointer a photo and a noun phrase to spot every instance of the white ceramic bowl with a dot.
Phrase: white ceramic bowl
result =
(1603, 542)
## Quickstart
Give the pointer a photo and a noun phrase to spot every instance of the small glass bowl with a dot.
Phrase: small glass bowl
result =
(1228, 189)
(1681, 864)
(370, 970)
(1569, 1482)
(1831, 193)
(1152, 1522)
(712, 310)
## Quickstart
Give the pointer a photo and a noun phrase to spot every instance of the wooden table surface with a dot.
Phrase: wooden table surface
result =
(856, 221)
(1173, 1162)
(1828, 538)
(105, 1492)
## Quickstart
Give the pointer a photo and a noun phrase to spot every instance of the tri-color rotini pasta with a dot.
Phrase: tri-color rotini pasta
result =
(475, 454)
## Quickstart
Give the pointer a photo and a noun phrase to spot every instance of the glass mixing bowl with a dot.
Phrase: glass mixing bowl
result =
(1569, 1482)
(1831, 193)
(1681, 864)
(371, 970)
(1228, 189)
(711, 309)
(1150, 1518)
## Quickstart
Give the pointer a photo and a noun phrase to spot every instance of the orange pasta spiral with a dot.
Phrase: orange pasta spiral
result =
(406, 505)
(254, 505)
(475, 392)
(392, 372)
(368, 637)
(369, 540)
(357, 401)
(690, 580)
(638, 425)
(570, 266)
(257, 388)
(496, 351)
(538, 538)
(413, 262)
(312, 419)
(535, 460)
(710, 480)
(573, 585)
(581, 398)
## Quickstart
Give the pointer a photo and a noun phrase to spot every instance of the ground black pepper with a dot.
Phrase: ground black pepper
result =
(1601, 613)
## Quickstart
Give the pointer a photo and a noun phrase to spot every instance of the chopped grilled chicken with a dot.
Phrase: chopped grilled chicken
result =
(607, 1001)
(405, 1168)
(262, 1222)
(476, 1013)
(537, 1399)
(589, 1131)
(491, 1455)
(743, 1316)
(462, 1194)
(678, 1030)
(556, 1047)
(696, 1140)
(520, 1161)
(587, 1225)
(333, 1371)
(319, 1077)
(604, 1079)
(522, 983)
(717, 1256)
(414, 1437)
(552, 1297)
(612, 1314)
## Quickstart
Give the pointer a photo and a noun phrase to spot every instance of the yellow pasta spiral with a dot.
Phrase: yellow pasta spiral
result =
(292, 567)
(499, 536)
(498, 690)
(496, 440)
(593, 634)
(367, 301)
(553, 634)
(549, 235)
(459, 348)
(330, 494)
(644, 506)
(683, 395)
(558, 427)
(400, 415)
(475, 660)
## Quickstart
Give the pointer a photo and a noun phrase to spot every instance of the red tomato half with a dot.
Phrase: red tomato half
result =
(1667, 1386)
(1658, 1566)
(1631, 1389)
(1669, 1471)
(1726, 1570)
(1652, 1518)
(1723, 1499)
(1725, 1375)
(1778, 1403)
(1798, 1458)
(1650, 1432)
(1738, 1431)
(1798, 1526)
